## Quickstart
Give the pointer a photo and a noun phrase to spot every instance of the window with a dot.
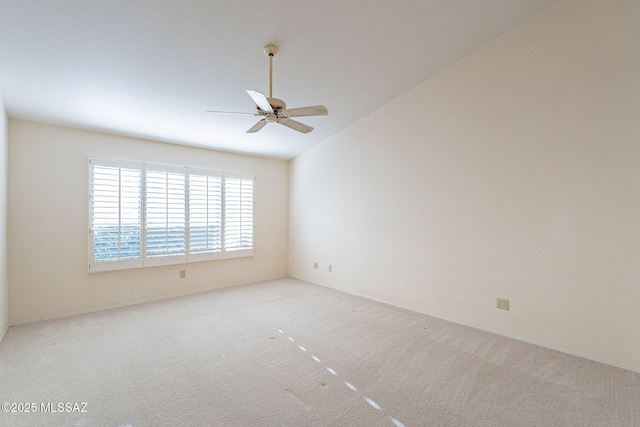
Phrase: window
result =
(238, 212)
(165, 215)
(143, 215)
(115, 214)
(205, 213)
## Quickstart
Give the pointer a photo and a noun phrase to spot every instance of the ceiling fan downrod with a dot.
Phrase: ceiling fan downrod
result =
(271, 50)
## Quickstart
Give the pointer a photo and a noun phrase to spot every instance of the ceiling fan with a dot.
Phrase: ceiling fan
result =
(274, 110)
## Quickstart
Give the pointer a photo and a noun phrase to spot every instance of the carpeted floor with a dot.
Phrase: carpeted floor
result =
(289, 353)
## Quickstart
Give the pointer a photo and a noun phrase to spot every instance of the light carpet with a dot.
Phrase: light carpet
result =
(289, 353)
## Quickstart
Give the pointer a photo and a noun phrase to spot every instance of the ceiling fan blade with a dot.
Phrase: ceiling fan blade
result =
(260, 100)
(230, 112)
(300, 127)
(255, 128)
(316, 110)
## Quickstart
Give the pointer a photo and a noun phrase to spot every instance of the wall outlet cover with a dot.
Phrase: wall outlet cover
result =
(502, 304)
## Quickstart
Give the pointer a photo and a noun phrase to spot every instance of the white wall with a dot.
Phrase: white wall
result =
(48, 223)
(4, 288)
(514, 173)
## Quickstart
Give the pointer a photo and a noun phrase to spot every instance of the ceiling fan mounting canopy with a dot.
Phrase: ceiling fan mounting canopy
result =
(274, 110)
(271, 49)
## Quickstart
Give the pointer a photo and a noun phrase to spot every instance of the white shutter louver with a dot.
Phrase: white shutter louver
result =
(205, 215)
(165, 215)
(238, 214)
(116, 214)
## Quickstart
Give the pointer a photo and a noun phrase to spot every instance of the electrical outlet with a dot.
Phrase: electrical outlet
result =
(330, 269)
(183, 274)
(315, 265)
(503, 304)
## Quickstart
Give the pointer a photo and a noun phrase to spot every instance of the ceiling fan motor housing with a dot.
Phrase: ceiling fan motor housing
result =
(270, 117)
(277, 103)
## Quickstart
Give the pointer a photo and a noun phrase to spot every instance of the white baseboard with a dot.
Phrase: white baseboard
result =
(6, 328)
(127, 304)
(515, 337)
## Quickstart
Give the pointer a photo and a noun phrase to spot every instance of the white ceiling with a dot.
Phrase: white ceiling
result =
(150, 68)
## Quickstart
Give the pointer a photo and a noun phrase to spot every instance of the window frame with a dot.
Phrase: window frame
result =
(119, 264)
(190, 254)
(237, 252)
(168, 258)
(208, 256)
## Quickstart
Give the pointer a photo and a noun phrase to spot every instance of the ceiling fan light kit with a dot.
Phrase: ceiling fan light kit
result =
(274, 110)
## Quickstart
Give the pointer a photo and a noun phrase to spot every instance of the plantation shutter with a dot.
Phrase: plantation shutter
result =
(238, 214)
(115, 223)
(205, 215)
(165, 215)
(143, 215)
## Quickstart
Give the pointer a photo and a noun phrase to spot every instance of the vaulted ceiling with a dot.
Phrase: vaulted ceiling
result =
(151, 68)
